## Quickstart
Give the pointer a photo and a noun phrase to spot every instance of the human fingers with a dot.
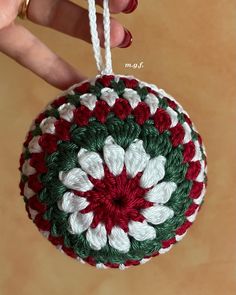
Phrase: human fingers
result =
(19, 44)
(71, 19)
(8, 11)
(117, 6)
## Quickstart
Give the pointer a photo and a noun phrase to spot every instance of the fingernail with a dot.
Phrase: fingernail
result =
(133, 4)
(127, 41)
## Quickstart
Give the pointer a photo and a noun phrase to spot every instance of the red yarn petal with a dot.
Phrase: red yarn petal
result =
(101, 111)
(56, 240)
(150, 90)
(188, 120)
(168, 243)
(37, 161)
(34, 183)
(62, 128)
(82, 115)
(162, 120)
(28, 139)
(112, 265)
(122, 108)
(83, 88)
(58, 102)
(70, 252)
(189, 151)
(171, 103)
(200, 139)
(90, 260)
(48, 142)
(182, 229)
(22, 187)
(177, 135)
(196, 190)
(106, 80)
(191, 209)
(193, 170)
(41, 223)
(132, 262)
(35, 204)
(141, 113)
(130, 83)
(40, 118)
(22, 160)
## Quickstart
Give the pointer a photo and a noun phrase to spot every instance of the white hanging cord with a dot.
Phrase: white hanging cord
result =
(107, 37)
(104, 69)
(94, 33)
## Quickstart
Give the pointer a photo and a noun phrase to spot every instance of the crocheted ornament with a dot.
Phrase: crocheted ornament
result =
(113, 172)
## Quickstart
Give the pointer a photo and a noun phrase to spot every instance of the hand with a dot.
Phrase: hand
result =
(64, 16)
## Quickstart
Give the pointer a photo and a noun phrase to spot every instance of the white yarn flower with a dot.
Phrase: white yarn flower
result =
(116, 196)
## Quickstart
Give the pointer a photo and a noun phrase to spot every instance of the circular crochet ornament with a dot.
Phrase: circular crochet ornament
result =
(113, 172)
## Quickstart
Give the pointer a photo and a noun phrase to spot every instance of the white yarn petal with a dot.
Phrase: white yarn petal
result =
(66, 111)
(201, 176)
(109, 96)
(141, 231)
(122, 267)
(192, 217)
(152, 86)
(33, 213)
(28, 192)
(198, 201)
(76, 179)
(89, 100)
(32, 126)
(27, 169)
(91, 163)
(101, 266)
(154, 172)
(47, 125)
(34, 146)
(97, 237)
(72, 203)
(198, 153)
(80, 260)
(132, 97)
(113, 156)
(80, 222)
(165, 250)
(157, 214)
(144, 260)
(119, 240)
(203, 149)
(152, 101)
(45, 233)
(173, 115)
(161, 192)
(180, 237)
(187, 136)
(117, 78)
(136, 158)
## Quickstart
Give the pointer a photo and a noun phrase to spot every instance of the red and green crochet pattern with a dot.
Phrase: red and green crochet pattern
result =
(113, 172)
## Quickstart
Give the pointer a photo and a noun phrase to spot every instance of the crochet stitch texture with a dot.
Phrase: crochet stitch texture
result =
(113, 172)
